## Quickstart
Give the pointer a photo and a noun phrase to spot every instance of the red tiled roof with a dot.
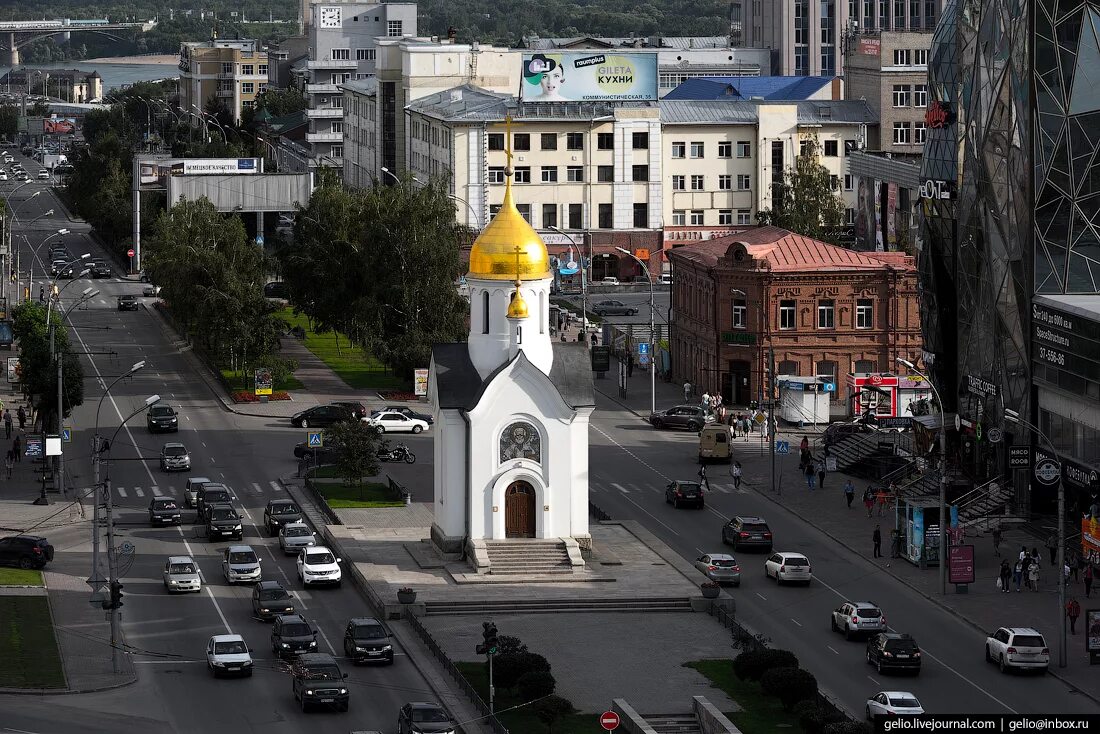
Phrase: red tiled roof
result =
(786, 251)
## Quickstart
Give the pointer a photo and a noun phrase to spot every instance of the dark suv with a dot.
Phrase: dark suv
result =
(292, 635)
(270, 600)
(279, 513)
(25, 551)
(222, 521)
(744, 531)
(162, 418)
(893, 651)
(367, 641)
(680, 492)
(212, 493)
(318, 681)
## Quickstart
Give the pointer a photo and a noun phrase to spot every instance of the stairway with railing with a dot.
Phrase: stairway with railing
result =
(872, 455)
(986, 506)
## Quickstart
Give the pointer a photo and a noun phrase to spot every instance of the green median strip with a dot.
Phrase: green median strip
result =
(361, 371)
(29, 656)
(20, 577)
(343, 496)
(760, 712)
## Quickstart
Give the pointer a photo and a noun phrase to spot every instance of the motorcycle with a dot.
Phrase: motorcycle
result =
(400, 452)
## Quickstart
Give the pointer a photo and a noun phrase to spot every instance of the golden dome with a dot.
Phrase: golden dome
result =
(509, 248)
(517, 309)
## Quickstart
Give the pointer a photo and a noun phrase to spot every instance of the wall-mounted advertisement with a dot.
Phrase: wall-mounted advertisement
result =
(589, 77)
(215, 165)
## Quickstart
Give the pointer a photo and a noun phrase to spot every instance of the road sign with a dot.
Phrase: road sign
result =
(130, 253)
(1019, 457)
(830, 387)
(260, 240)
(782, 447)
(643, 354)
(315, 439)
(609, 720)
(643, 348)
(1046, 472)
(67, 434)
(35, 447)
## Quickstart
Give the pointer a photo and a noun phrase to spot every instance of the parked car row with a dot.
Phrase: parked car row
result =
(389, 419)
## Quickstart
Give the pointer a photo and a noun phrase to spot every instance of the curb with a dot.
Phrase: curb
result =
(65, 691)
(954, 612)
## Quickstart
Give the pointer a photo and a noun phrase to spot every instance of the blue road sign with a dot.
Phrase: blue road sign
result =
(260, 240)
(66, 434)
(830, 387)
(782, 447)
(643, 348)
(315, 440)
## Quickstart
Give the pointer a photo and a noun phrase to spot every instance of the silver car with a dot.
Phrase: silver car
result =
(191, 490)
(181, 573)
(240, 564)
(720, 567)
(174, 457)
(294, 536)
(858, 617)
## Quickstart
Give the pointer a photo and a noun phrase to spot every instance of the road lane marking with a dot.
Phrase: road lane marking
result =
(276, 486)
(138, 492)
(205, 585)
(122, 492)
(630, 453)
(831, 648)
(873, 681)
(650, 514)
(796, 621)
(331, 649)
(256, 486)
(155, 491)
(761, 596)
(620, 487)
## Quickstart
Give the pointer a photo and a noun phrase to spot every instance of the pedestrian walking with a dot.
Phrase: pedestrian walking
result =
(7, 423)
(1088, 576)
(595, 339)
(997, 541)
(21, 414)
(735, 472)
(876, 538)
(17, 447)
(1033, 576)
(821, 474)
(1052, 547)
(804, 447)
(1004, 576)
(869, 500)
(895, 544)
(1073, 611)
(1018, 573)
(881, 497)
(9, 463)
(41, 294)
(809, 469)
(849, 493)
(687, 391)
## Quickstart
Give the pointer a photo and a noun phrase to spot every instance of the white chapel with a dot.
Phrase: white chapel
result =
(512, 405)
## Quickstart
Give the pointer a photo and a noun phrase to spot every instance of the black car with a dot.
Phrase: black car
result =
(25, 551)
(63, 272)
(279, 513)
(323, 454)
(678, 493)
(270, 600)
(318, 681)
(162, 417)
(745, 531)
(894, 651)
(409, 412)
(691, 417)
(320, 416)
(358, 410)
(292, 635)
(367, 641)
(100, 270)
(276, 289)
(212, 493)
(424, 718)
(164, 511)
(127, 303)
(222, 521)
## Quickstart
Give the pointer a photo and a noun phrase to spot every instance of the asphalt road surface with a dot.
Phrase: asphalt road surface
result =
(638, 299)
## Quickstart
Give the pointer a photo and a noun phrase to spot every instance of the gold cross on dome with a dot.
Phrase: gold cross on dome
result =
(508, 139)
(519, 251)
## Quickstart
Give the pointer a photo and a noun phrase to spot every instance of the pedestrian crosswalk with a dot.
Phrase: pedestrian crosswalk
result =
(251, 488)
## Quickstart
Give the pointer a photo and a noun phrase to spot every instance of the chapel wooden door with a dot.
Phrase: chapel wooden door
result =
(519, 510)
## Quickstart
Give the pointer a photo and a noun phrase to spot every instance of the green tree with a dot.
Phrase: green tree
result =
(789, 685)
(552, 709)
(806, 201)
(356, 445)
(9, 121)
(37, 365)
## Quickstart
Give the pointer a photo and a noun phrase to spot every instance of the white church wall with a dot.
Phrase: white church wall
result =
(450, 480)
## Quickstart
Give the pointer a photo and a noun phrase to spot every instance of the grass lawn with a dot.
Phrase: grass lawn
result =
(19, 577)
(347, 496)
(524, 719)
(29, 657)
(760, 712)
(238, 381)
(359, 370)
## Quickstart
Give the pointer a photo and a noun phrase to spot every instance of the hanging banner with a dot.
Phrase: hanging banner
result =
(420, 382)
(589, 77)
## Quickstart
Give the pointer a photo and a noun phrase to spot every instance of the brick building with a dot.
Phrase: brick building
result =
(826, 310)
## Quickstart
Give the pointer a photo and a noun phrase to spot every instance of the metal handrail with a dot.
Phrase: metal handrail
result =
(978, 493)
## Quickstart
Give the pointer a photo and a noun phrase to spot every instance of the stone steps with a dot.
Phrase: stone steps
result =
(540, 606)
(674, 723)
(528, 557)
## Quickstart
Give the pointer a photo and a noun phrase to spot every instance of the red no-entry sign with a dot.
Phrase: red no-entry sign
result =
(129, 253)
(609, 720)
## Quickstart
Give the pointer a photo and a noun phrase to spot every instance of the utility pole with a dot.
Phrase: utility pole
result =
(772, 423)
(112, 575)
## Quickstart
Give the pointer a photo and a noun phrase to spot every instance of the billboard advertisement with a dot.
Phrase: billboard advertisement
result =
(215, 165)
(589, 77)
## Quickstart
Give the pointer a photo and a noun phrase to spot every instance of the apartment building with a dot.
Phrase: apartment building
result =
(889, 69)
(228, 72)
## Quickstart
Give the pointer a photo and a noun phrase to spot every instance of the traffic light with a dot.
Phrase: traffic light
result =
(492, 642)
(116, 595)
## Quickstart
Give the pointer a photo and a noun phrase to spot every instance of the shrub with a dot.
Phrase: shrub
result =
(847, 727)
(510, 645)
(752, 664)
(536, 684)
(507, 669)
(789, 685)
(551, 709)
(813, 718)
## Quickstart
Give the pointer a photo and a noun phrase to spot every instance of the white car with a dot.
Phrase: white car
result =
(3, 176)
(318, 565)
(150, 290)
(228, 655)
(854, 617)
(240, 564)
(43, 173)
(295, 537)
(1017, 647)
(181, 573)
(785, 567)
(390, 421)
(609, 280)
(893, 703)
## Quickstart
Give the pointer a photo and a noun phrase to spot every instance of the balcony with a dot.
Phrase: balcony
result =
(322, 89)
(332, 64)
(325, 137)
(329, 113)
(224, 93)
(226, 75)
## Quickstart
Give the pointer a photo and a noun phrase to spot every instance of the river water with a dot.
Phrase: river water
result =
(114, 75)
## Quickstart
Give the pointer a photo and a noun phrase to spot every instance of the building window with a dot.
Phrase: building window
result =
(740, 314)
(262, 70)
(364, 54)
(337, 151)
(725, 216)
(605, 141)
(743, 216)
(697, 217)
(521, 141)
(865, 316)
(549, 141)
(696, 150)
(496, 174)
(247, 88)
(902, 57)
(641, 216)
(549, 215)
(574, 174)
(639, 141)
(496, 141)
(786, 315)
(227, 67)
(847, 182)
(920, 95)
(261, 87)
(679, 183)
(679, 217)
(574, 141)
(679, 149)
(744, 149)
(524, 211)
(697, 182)
(605, 216)
(901, 133)
(576, 216)
(920, 57)
(639, 174)
(248, 104)
(725, 182)
(338, 54)
(247, 69)
(549, 174)
(605, 174)
(523, 174)
(805, 148)
(834, 182)
(725, 149)
(826, 314)
(832, 148)
(920, 133)
(744, 181)
(337, 127)
(850, 215)
(901, 95)
(393, 28)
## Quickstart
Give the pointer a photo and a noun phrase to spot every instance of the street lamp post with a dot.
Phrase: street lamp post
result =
(1013, 417)
(584, 280)
(392, 175)
(30, 270)
(477, 218)
(652, 330)
(943, 473)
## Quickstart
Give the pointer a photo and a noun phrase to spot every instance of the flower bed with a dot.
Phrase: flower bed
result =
(244, 396)
(398, 396)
